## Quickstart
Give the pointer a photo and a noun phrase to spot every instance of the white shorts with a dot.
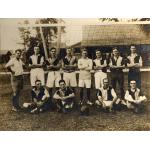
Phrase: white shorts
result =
(70, 79)
(37, 74)
(107, 103)
(53, 79)
(85, 83)
(99, 76)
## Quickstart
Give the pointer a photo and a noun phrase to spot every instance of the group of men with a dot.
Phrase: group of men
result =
(64, 96)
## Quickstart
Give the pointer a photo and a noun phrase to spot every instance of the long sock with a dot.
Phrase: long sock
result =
(50, 92)
(81, 94)
(88, 93)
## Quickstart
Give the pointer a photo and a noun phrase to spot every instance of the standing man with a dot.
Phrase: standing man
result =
(85, 66)
(100, 69)
(64, 97)
(36, 62)
(134, 97)
(134, 64)
(117, 76)
(15, 65)
(53, 66)
(69, 64)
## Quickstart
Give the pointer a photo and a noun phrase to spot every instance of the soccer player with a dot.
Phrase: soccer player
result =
(15, 65)
(53, 66)
(85, 66)
(36, 62)
(69, 64)
(100, 69)
(40, 99)
(134, 64)
(64, 97)
(117, 76)
(106, 96)
(134, 97)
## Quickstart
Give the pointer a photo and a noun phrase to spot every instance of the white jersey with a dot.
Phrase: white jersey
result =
(16, 66)
(87, 64)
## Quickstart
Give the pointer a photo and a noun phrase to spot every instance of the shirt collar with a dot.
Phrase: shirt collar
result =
(68, 57)
(99, 58)
(133, 55)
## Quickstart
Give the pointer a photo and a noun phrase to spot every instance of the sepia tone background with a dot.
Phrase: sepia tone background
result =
(103, 33)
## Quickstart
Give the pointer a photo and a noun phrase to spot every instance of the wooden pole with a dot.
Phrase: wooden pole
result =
(59, 37)
(44, 44)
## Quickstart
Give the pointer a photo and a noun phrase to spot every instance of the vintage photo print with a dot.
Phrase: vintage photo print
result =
(71, 74)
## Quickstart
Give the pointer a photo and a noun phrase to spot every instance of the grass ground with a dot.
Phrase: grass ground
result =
(121, 120)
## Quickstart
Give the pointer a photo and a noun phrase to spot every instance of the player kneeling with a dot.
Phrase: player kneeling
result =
(64, 98)
(134, 97)
(40, 99)
(106, 96)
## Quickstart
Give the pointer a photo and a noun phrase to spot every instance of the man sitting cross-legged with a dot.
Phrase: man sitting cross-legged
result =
(134, 97)
(40, 99)
(64, 98)
(106, 96)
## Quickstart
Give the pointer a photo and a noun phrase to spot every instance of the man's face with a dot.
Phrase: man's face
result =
(68, 51)
(38, 84)
(84, 54)
(106, 83)
(62, 85)
(18, 54)
(36, 50)
(133, 49)
(107, 55)
(133, 85)
(98, 54)
(53, 52)
(115, 52)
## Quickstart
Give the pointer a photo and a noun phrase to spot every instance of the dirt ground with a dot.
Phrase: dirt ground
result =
(51, 121)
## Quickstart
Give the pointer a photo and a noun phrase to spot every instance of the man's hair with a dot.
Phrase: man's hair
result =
(37, 81)
(97, 50)
(18, 50)
(53, 48)
(133, 46)
(83, 50)
(68, 48)
(114, 48)
(60, 81)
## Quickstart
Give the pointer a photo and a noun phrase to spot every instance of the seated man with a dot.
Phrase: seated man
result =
(106, 96)
(64, 97)
(134, 97)
(40, 99)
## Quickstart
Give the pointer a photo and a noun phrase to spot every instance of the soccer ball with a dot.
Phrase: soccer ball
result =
(84, 110)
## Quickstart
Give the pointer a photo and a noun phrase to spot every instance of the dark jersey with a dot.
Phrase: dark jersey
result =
(69, 61)
(54, 62)
(38, 96)
(66, 92)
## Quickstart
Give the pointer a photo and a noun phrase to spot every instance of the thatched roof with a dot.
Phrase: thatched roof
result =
(123, 34)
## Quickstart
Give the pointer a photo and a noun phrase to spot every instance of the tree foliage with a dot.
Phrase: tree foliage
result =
(30, 40)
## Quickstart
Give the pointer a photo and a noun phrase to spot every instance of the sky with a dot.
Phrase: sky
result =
(10, 37)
